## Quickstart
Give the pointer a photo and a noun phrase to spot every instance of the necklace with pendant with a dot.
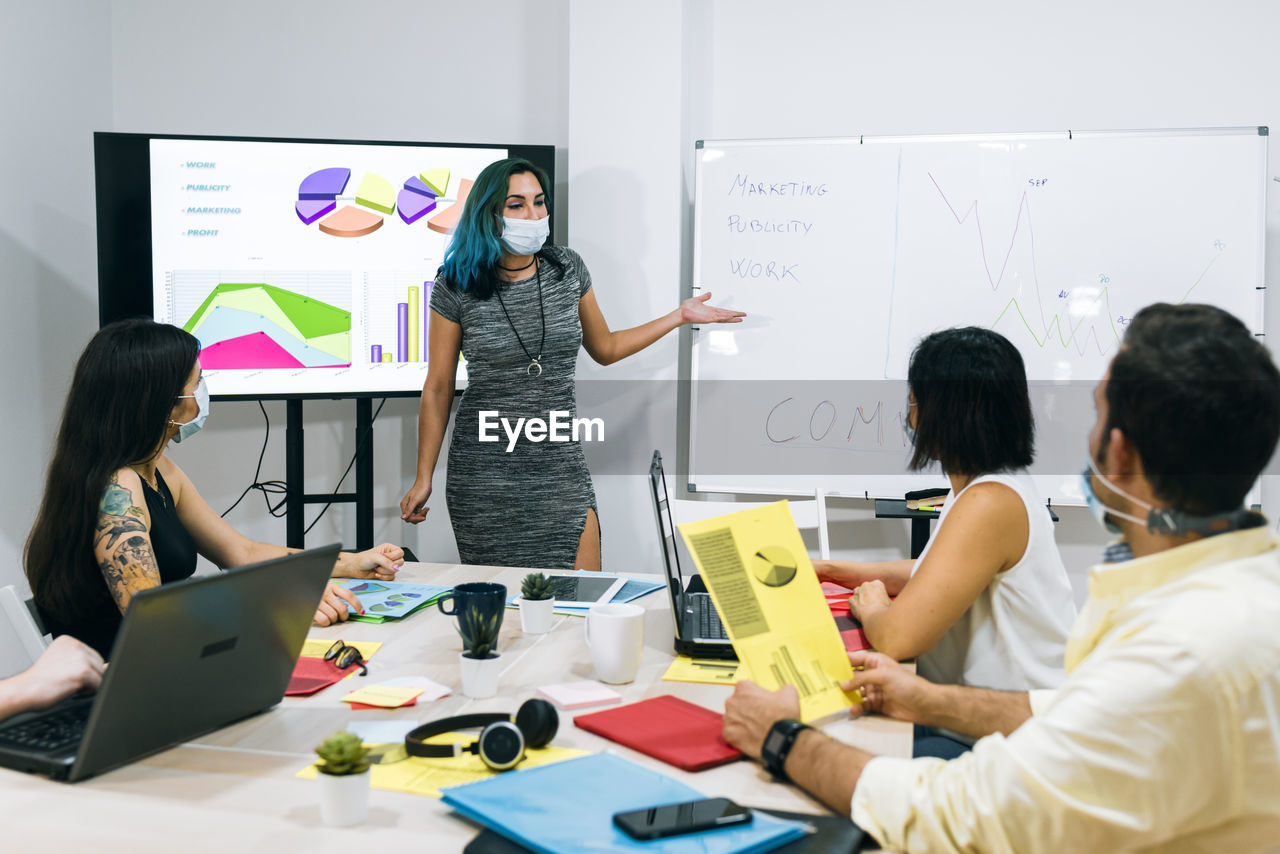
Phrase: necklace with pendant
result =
(535, 365)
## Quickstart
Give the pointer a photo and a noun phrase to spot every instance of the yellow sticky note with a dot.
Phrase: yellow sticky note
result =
(756, 568)
(317, 647)
(714, 672)
(421, 776)
(388, 696)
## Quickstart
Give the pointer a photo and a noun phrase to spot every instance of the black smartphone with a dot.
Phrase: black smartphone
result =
(675, 819)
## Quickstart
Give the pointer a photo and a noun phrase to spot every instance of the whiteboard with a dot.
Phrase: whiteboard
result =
(845, 252)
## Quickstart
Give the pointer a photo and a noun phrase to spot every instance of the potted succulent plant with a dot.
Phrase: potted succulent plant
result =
(344, 778)
(537, 604)
(479, 660)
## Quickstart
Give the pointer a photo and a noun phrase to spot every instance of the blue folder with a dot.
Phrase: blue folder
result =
(569, 806)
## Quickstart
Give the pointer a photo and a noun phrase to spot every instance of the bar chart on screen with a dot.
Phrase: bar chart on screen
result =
(395, 308)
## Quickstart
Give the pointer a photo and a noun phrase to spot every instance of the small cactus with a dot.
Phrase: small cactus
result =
(536, 587)
(479, 633)
(343, 753)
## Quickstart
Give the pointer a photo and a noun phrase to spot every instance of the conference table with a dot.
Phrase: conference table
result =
(236, 789)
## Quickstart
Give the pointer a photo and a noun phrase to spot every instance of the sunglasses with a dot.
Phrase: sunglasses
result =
(344, 655)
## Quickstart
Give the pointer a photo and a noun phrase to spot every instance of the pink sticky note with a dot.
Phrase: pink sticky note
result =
(579, 695)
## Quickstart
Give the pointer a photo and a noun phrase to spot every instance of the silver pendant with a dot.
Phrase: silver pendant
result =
(534, 364)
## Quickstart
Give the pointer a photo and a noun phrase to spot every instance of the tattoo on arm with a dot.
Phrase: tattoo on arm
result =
(116, 500)
(127, 566)
(115, 529)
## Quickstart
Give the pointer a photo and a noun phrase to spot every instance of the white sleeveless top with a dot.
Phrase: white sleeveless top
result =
(1014, 635)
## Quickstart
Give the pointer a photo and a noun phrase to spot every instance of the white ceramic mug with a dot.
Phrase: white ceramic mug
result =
(615, 635)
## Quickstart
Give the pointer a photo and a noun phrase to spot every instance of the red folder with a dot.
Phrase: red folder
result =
(666, 728)
(854, 640)
(312, 674)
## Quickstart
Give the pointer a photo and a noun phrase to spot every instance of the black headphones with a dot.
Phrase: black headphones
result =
(501, 743)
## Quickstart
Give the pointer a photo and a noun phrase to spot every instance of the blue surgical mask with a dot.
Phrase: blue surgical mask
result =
(192, 427)
(525, 236)
(1099, 510)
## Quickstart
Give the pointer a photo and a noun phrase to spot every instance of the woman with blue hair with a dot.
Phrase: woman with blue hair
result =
(518, 308)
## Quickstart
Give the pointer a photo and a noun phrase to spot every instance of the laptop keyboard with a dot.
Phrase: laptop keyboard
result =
(709, 625)
(49, 732)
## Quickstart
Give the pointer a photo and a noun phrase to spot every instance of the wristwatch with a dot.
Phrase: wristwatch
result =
(778, 743)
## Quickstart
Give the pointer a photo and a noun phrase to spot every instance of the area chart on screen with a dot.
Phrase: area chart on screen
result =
(255, 326)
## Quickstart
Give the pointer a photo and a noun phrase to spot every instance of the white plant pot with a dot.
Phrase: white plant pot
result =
(480, 676)
(536, 615)
(344, 800)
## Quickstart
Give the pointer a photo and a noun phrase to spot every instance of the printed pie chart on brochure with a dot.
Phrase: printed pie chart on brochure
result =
(773, 566)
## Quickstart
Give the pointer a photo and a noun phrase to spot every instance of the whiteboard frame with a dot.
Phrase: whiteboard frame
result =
(1258, 322)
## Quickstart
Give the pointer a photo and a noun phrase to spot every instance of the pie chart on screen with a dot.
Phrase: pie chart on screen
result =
(321, 200)
(325, 201)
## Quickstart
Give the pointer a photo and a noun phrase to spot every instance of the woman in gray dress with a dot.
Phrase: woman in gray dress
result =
(518, 308)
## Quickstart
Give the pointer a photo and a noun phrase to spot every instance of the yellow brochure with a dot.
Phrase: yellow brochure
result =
(758, 573)
(686, 669)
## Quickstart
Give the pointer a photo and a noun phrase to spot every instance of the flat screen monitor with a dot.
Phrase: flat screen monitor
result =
(304, 267)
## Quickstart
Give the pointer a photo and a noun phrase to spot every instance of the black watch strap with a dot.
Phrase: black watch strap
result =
(778, 743)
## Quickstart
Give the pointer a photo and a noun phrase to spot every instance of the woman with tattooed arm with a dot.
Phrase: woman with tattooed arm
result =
(118, 516)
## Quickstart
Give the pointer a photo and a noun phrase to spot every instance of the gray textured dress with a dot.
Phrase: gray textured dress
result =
(526, 507)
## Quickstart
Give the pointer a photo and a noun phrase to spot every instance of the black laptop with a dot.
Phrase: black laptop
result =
(699, 632)
(191, 657)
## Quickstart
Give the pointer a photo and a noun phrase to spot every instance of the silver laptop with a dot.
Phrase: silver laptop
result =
(699, 632)
(190, 657)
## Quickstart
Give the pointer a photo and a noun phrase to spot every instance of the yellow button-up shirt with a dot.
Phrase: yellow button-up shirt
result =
(1165, 735)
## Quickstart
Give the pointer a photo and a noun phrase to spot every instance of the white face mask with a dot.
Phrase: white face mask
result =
(1159, 520)
(1099, 510)
(192, 427)
(525, 236)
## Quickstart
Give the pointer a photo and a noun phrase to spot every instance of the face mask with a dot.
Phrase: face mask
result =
(192, 427)
(525, 236)
(1159, 520)
(906, 423)
(1099, 510)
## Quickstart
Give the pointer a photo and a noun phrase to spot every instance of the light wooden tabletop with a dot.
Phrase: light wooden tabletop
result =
(235, 789)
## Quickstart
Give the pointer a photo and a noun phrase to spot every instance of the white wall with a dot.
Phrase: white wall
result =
(55, 90)
(622, 91)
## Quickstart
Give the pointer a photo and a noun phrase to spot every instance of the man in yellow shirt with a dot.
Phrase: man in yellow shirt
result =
(1166, 733)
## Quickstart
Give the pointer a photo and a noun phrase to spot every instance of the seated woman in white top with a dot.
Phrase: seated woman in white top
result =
(988, 603)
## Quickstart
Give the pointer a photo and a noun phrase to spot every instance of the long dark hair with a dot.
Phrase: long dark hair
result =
(476, 247)
(972, 407)
(125, 385)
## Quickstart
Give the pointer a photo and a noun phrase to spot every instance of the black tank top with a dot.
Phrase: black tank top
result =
(175, 554)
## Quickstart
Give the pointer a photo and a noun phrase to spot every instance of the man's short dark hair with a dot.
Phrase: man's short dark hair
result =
(1198, 396)
(973, 413)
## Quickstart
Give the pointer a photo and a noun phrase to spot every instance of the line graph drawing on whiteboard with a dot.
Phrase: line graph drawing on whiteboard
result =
(1038, 288)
